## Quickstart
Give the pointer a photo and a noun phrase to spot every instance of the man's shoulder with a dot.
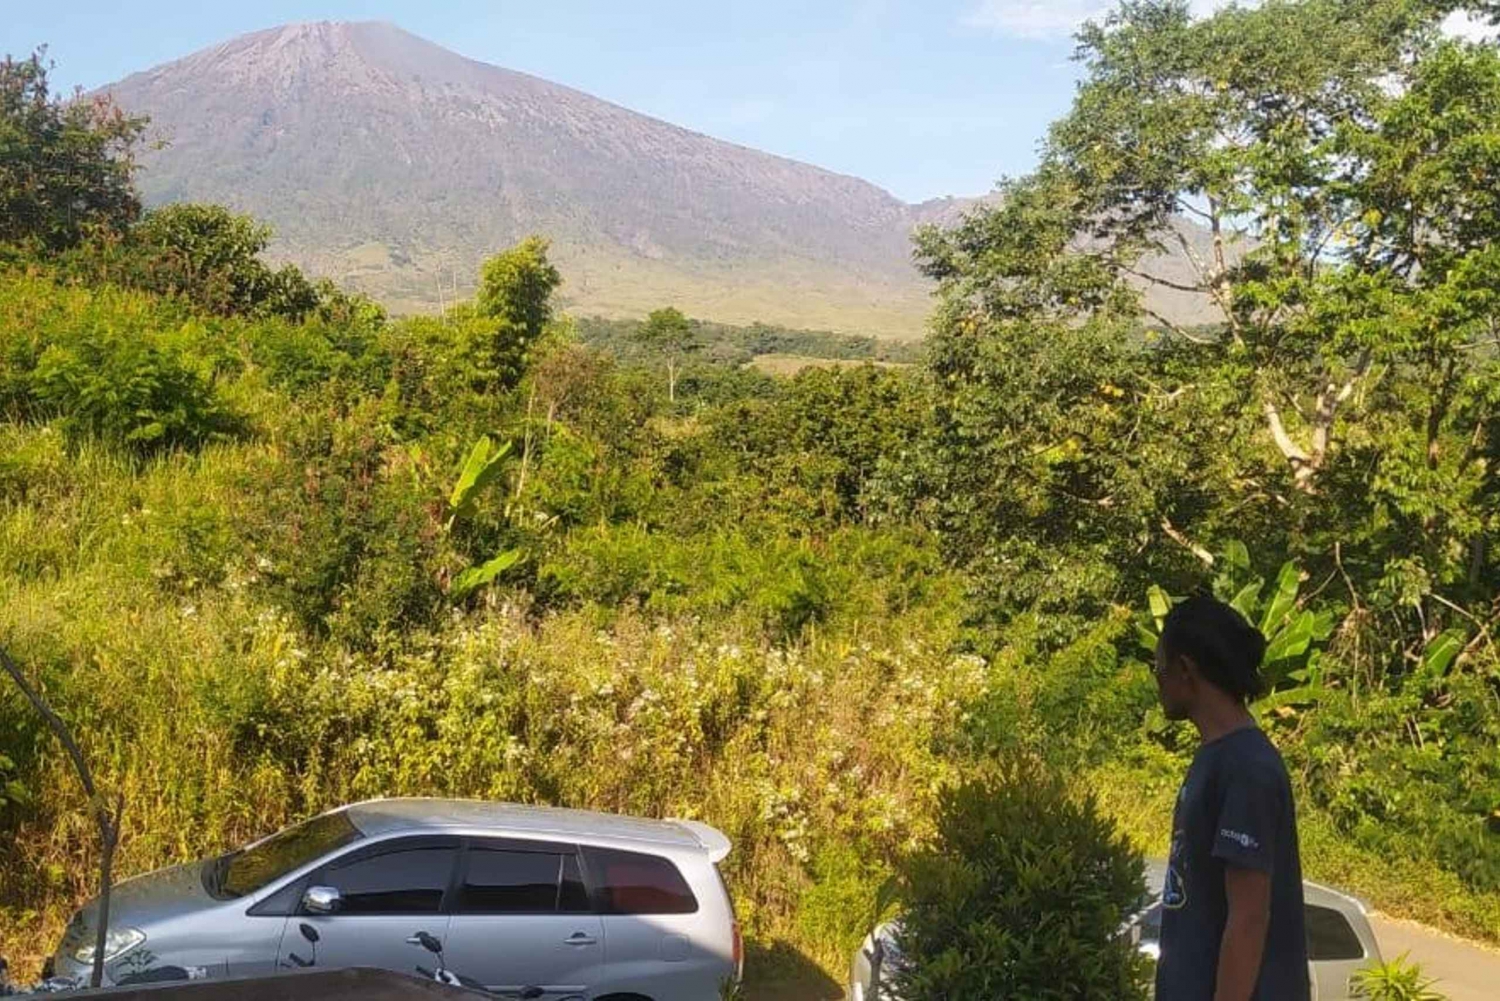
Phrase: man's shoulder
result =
(1250, 753)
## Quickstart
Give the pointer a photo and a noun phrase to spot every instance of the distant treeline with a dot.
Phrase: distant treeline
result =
(724, 344)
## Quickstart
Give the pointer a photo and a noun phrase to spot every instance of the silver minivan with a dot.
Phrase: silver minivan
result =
(525, 901)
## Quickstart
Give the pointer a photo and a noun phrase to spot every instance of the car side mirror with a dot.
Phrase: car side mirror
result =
(322, 900)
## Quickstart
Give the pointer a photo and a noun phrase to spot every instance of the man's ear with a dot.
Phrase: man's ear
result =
(1185, 666)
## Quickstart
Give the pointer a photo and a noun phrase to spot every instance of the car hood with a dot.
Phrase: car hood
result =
(145, 900)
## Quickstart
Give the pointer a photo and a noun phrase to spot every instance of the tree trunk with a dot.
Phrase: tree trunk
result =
(671, 381)
(109, 825)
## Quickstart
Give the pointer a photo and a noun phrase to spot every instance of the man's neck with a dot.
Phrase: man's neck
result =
(1216, 718)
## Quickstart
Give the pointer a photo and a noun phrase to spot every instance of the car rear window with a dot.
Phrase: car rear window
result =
(634, 883)
(1330, 937)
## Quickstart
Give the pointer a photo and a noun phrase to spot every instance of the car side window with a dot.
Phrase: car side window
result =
(403, 880)
(1330, 937)
(500, 881)
(1150, 925)
(634, 883)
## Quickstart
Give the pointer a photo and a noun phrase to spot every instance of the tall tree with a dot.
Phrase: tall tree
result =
(515, 293)
(1328, 168)
(65, 166)
(670, 333)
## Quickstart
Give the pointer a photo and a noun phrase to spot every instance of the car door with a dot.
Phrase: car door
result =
(653, 930)
(522, 918)
(388, 893)
(1334, 952)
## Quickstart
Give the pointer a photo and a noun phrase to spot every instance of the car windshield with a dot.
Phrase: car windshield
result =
(251, 869)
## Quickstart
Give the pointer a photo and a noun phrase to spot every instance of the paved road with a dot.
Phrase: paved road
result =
(1465, 972)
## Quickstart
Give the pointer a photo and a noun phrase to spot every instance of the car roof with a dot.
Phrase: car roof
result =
(1312, 893)
(381, 817)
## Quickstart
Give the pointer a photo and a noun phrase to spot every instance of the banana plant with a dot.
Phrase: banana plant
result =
(1294, 635)
(483, 466)
(474, 578)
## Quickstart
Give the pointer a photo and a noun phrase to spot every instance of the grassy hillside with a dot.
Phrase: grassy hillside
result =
(253, 619)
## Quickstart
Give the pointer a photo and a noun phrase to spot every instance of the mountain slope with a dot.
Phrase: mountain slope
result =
(395, 166)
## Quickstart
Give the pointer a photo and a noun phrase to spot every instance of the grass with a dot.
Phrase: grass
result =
(626, 286)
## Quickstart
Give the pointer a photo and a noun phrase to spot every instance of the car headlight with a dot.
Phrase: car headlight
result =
(117, 943)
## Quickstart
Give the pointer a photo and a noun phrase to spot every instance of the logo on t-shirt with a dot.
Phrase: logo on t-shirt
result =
(1174, 895)
(1245, 841)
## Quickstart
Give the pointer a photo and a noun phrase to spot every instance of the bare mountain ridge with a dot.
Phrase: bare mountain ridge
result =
(393, 165)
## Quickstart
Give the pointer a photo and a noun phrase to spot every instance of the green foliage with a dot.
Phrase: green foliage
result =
(1022, 894)
(1397, 980)
(728, 345)
(234, 550)
(212, 256)
(1313, 159)
(515, 297)
(65, 166)
(668, 332)
(110, 366)
(1294, 635)
(474, 578)
(482, 468)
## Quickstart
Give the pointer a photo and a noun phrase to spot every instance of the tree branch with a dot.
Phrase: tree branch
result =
(1195, 210)
(1217, 284)
(1172, 532)
(1165, 282)
(1179, 331)
(1290, 449)
(1327, 409)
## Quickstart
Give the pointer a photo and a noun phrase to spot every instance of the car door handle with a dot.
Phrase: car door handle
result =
(580, 938)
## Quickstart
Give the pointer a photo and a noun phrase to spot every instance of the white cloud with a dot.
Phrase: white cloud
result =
(1050, 19)
(1053, 19)
(1461, 25)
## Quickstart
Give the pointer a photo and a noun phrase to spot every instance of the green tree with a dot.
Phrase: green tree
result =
(668, 332)
(1326, 168)
(515, 296)
(211, 256)
(65, 166)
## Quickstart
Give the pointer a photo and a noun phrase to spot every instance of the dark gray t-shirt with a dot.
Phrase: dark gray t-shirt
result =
(1235, 809)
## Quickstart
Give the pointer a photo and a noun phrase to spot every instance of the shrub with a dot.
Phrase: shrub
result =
(123, 388)
(1397, 980)
(1022, 895)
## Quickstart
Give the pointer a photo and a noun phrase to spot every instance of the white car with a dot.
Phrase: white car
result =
(1340, 942)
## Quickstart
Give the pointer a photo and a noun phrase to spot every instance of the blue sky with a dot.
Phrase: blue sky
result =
(924, 97)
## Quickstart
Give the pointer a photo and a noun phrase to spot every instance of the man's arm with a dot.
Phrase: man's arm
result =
(1244, 943)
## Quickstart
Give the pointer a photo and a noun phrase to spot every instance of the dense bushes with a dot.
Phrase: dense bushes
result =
(1023, 894)
(250, 622)
(113, 366)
